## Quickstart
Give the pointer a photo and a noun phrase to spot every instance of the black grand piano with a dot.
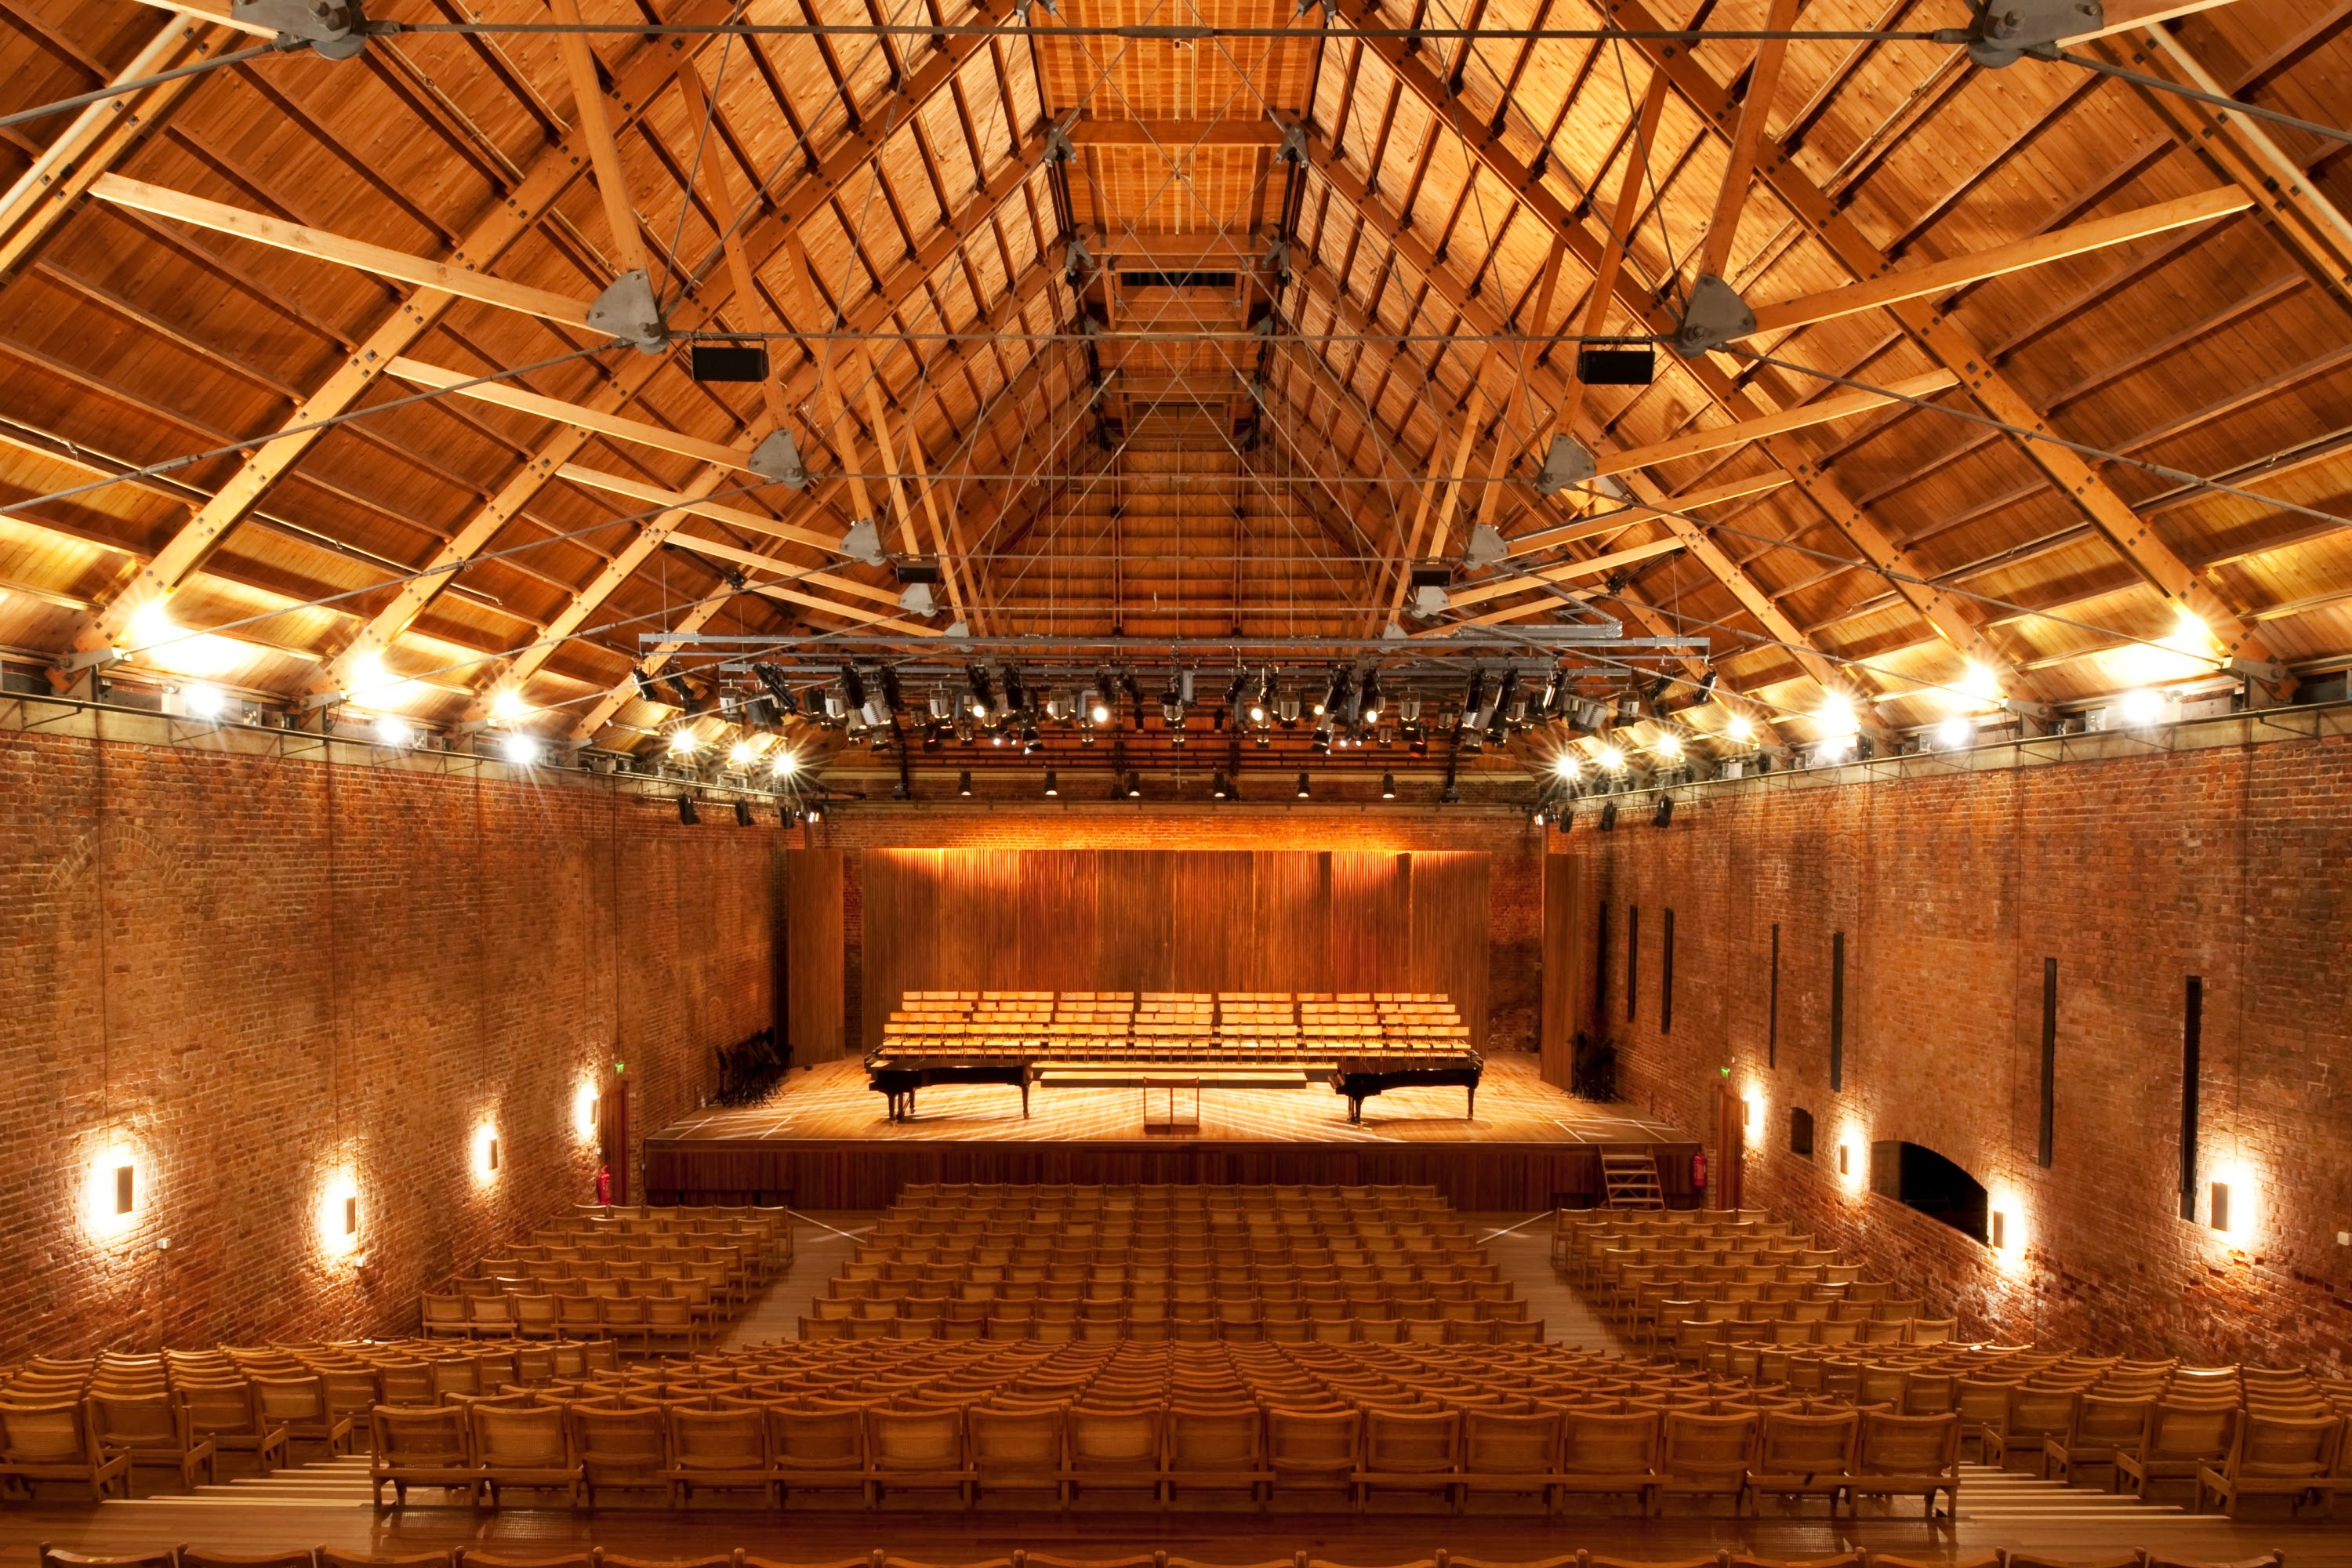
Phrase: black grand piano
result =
(1361, 1077)
(897, 1075)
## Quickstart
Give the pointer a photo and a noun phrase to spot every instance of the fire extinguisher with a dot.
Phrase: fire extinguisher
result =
(604, 1185)
(1699, 1171)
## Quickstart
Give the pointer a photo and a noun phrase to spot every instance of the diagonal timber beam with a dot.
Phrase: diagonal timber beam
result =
(1739, 170)
(1957, 271)
(1951, 618)
(2245, 152)
(465, 282)
(550, 174)
(1953, 346)
(101, 135)
(592, 122)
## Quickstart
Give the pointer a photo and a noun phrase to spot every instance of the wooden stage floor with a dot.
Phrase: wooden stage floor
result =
(822, 1141)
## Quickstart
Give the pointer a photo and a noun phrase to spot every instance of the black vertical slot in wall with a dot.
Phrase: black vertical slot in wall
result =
(1837, 1011)
(1772, 1018)
(1633, 958)
(2049, 1060)
(2192, 1041)
(1601, 965)
(1666, 980)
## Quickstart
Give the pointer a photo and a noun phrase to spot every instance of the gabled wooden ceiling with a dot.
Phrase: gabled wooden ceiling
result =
(1201, 331)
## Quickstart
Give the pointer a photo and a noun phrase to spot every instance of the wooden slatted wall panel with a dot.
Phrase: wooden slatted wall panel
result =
(1058, 894)
(1212, 945)
(1151, 919)
(1449, 933)
(815, 1006)
(1563, 1003)
(1133, 920)
(1294, 919)
(1370, 921)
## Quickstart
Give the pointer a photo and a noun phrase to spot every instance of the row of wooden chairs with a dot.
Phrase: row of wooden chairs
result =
(1165, 1451)
(95, 1422)
(597, 1557)
(1149, 1331)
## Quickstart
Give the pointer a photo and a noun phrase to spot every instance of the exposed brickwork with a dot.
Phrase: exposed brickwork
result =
(255, 973)
(1515, 897)
(2232, 865)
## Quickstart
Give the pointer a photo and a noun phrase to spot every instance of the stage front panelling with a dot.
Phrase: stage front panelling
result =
(1151, 919)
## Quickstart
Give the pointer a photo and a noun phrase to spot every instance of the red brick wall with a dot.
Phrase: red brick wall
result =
(259, 974)
(1514, 887)
(2134, 874)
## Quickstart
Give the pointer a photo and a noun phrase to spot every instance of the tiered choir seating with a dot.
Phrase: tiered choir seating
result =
(653, 1278)
(1285, 1264)
(1363, 1042)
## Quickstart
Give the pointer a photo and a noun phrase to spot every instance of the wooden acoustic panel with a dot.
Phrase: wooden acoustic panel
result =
(1159, 920)
(816, 1004)
(1564, 1006)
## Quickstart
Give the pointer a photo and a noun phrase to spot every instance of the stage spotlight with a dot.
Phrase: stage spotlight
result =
(1052, 788)
(982, 697)
(772, 678)
(1388, 786)
(682, 694)
(1706, 688)
(815, 812)
(1220, 789)
(1536, 817)
(646, 689)
(739, 753)
(1303, 791)
(390, 729)
(1612, 758)
(1028, 739)
(1956, 732)
(1608, 818)
(1741, 728)
(1665, 813)
(1098, 712)
(520, 748)
(686, 812)
(964, 782)
(743, 814)
(2141, 708)
(1566, 768)
(1668, 746)
(682, 742)
(786, 764)
(1135, 786)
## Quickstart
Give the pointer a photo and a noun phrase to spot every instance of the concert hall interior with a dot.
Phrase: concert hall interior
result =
(1175, 783)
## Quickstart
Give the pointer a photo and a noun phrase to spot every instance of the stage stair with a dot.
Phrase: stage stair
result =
(1632, 1180)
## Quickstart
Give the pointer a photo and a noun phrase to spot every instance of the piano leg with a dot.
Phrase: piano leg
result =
(1024, 1099)
(1472, 1113)
(1355, 1109)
